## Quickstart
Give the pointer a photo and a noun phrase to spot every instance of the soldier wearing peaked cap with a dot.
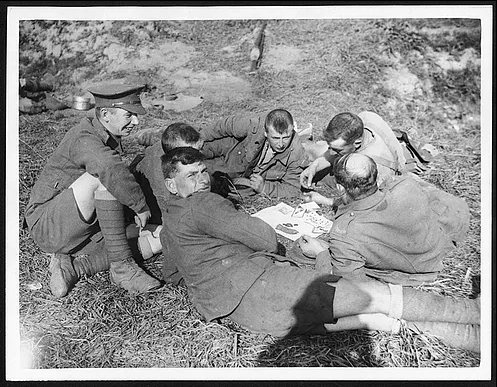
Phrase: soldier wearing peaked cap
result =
(119, 96)
(76, 208)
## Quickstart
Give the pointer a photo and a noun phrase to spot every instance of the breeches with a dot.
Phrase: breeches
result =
(287, 300)
(58, 227)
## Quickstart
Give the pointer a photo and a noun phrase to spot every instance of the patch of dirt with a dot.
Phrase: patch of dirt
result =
(282, 57)
(168, 62)
(402, 81)
(168, 56)
(405, 84)
(215, 87)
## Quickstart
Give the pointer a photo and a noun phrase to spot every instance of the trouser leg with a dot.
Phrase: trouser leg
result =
(364, 297)
(354, 297)
(357, 305)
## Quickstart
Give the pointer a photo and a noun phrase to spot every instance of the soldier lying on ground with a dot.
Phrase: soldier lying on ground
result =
(229, 263)
(262, 153)
(147, 170)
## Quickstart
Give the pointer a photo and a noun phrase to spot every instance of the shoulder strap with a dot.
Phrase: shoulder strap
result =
(386, 163)
(376, 124)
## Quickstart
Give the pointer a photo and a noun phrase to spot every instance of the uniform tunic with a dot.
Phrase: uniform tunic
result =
(224, 258)
(148, 172)
(235, 146)
(404, 228)
(87, 147)
(379, 143)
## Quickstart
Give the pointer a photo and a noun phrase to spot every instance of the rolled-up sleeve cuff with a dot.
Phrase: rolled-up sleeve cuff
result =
(323, 262)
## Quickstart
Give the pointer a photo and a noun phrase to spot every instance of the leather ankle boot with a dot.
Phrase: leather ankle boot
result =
(128, 275)
(63, 275)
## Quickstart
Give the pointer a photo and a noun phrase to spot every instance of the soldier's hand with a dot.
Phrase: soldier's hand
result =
(310, 246)
(314, 196)
(307, 175)
(257, 182)
(141, 219)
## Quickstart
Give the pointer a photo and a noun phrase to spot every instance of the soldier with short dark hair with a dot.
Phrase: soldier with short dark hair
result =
(261, 153)
(368, 134)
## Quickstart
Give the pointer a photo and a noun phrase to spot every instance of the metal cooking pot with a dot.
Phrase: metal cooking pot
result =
(81, 103)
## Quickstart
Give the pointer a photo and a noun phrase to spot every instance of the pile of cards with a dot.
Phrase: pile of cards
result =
(294, 222)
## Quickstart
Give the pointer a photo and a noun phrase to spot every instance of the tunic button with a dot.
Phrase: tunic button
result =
(351, 214)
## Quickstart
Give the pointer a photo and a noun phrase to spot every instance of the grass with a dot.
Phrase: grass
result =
(339, 69)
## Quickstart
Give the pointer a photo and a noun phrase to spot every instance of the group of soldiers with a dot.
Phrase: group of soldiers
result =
(391, 229)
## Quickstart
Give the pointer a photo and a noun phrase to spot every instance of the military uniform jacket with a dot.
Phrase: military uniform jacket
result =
(402, 228)
(87, 147)
(150, 169)
(381, 144)
(150, 173)
(238, 141)
(212, 243)
(150, 166)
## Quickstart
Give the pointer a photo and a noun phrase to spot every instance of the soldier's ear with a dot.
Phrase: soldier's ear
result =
(104, 114)
(358, 142)
(171, 185)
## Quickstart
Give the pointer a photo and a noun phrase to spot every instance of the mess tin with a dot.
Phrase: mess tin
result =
(81, 103)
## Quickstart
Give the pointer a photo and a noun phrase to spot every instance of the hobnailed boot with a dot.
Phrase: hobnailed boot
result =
(416, 305)
(464, 336)
(63, 275)
(124, 271)
(66, 270)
